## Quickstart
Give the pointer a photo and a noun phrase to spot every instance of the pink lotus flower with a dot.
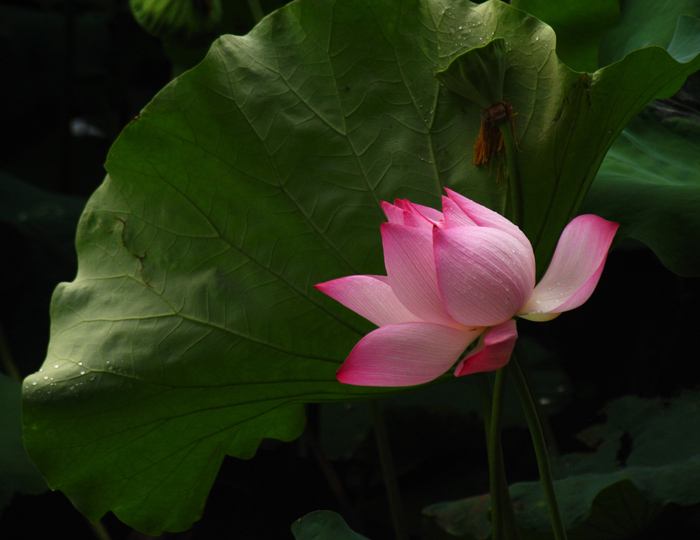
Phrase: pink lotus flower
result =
(455, 276)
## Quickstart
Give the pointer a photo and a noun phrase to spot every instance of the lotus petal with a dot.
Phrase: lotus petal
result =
(492, 352)
(484, 275)
(454, 215)
(428, 213)
(575, 268)
(393, 212)
(410, 265)
(369, 296)
(405, 354)
(484, 217)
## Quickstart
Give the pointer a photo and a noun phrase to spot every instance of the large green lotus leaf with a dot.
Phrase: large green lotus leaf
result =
(648, 456)
(192, 329)
(650, 184)
(579, 25)
(323, 525)
(644, 23)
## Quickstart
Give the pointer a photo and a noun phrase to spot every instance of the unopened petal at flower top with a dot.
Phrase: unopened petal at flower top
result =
(394, 212)
(454, 276)
(412, 215)
(424, 215)
(485, 217)
(484, 274)
(410, 265)
(454, 215)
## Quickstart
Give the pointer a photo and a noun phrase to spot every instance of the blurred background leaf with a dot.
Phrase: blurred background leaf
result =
(645, 23)
(580, 26)
(323, 525)
(643, 459)
(650, 184)
(37, 240)
(17, 472)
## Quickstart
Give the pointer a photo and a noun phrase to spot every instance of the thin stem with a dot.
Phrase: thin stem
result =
(549, 438)
(510, 527)
(494, 450)
(514, 205)
(389, 472)
(486, 396)
(256, 9)
(538, 442)
(99, 530)
(331, 477)
(503, 523)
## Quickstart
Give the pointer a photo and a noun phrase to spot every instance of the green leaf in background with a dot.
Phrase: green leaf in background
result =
(192, 329)
(17, 472)
(37, 238)
(650, 184)
(323, 525)
(579, 25)
(648, 457)
(645, 23)
(565, 120)
(43, 223)
(467, 518)
(180, 21)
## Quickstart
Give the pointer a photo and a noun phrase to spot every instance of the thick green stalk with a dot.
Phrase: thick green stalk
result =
(514, 204)
(495, 452)
(389, 472)
(538, 442)
(502, 496)
(486, 396)
(550, 440)
(503, 523)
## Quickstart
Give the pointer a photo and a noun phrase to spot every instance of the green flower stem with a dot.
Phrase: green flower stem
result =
(331, 475)
(538, 442)
(503, 523)
(549, 438)
(389, 472)
(486, 396)
(514, 204)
